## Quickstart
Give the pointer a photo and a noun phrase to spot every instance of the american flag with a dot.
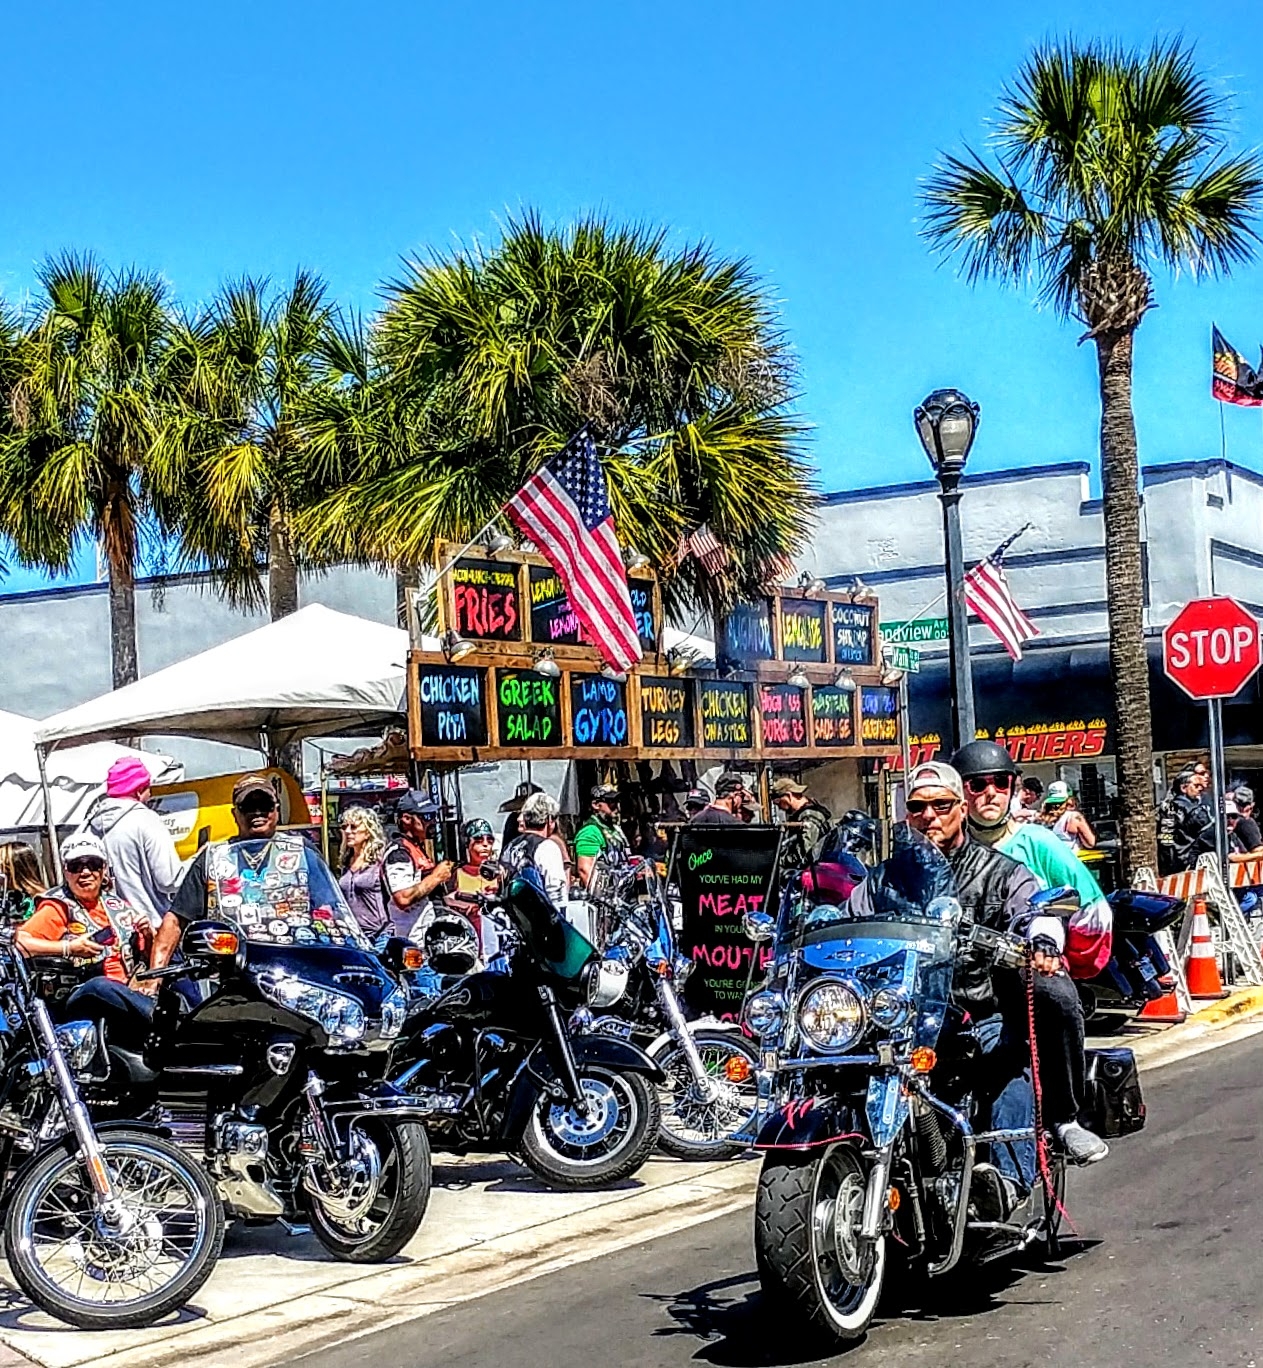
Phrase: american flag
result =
(987, 595)
(708, 549)
(564, 509)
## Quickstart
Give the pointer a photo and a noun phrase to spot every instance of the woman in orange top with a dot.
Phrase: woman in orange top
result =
(82, 920)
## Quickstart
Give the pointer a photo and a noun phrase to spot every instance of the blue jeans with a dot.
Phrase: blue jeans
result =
(1007, 1099)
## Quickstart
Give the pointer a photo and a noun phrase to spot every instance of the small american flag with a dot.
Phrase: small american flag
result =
(708, 549)
(987, 595)
(564, 508)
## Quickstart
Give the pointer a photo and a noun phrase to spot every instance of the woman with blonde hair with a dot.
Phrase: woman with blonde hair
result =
(362, 882)
(21, 880)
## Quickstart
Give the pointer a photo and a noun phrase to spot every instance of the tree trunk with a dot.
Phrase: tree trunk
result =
(122, 581)
(1124, 587)
(407, 577)
(282, 567)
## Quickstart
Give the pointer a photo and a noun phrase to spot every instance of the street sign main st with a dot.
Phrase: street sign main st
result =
(1211, 648)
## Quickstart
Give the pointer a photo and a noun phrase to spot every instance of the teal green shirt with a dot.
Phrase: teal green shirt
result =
(1052, 861)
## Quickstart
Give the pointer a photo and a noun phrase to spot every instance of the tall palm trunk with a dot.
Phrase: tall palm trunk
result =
(282, 567)
(1124, 585)
(122, 584)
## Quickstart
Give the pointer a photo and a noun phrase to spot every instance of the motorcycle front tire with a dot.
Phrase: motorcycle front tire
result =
(670, 1058)
(61, 1174)
(400, 1207)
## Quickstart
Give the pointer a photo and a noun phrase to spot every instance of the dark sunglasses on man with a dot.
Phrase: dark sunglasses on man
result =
(980, 783)
(942, 806)
(257, 802)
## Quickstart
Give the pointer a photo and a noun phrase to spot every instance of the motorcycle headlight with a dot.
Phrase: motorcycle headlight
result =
(78, 1041)
(394, 1010)
(889, 1008)
(607, 982)
(831, 1015)
(764, 1013)
(340, 1017)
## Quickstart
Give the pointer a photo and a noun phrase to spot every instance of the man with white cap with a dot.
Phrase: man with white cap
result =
(141, 852)
(81, 920)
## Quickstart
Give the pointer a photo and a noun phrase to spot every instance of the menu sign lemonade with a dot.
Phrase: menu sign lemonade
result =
(553, 621)
(802, 630)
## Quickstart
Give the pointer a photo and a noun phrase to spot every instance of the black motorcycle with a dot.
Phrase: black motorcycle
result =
(1138, 971)
(879, 1162)
(503, 1058)
(269, 1061)
(710, 1092)
(107, 1226)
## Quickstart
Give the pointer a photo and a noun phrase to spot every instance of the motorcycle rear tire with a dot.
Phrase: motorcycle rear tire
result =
(568, 1174)
(407, 1146)
(669, 1057)
(118, 1147)
(796, 1192)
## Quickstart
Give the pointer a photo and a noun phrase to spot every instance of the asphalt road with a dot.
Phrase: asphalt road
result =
(1165, 1275)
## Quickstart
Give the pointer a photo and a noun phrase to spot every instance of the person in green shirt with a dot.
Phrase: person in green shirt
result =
(601, 834)
(990, 774)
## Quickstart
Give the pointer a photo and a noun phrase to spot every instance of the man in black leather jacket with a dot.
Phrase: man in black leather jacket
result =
(997, 891)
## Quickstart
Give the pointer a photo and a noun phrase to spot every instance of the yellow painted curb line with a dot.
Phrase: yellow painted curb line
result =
(1243, 1003)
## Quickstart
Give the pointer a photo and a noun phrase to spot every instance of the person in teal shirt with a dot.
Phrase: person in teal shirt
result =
(988, 795)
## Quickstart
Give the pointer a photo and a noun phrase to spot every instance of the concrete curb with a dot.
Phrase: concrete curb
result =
(1174, 1043)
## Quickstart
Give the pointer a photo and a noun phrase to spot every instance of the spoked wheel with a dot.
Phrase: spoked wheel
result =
(813, 1262)
(698, 1122)
(121, 1266)
(606, 1142)
(384, 1192)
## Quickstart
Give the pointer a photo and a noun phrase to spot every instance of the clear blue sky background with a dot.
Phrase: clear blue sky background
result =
(210, 140)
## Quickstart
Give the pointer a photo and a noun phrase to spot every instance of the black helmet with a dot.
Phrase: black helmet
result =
(982, 757)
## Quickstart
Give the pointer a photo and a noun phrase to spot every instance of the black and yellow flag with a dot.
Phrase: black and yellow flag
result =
(1233, 379)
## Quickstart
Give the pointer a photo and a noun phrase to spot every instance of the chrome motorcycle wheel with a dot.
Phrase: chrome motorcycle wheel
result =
(812, 1259)
(700, 1117)
(121, 1265)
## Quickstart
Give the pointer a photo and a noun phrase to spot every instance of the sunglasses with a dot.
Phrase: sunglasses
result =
(257, 805)
(89, 864)
(914, 807)
(980, 783)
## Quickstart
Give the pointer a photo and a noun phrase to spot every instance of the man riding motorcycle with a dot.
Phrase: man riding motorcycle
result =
(997, 892)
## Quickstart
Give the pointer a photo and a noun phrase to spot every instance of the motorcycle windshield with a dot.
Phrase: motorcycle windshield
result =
(897, 931)
(558, 947)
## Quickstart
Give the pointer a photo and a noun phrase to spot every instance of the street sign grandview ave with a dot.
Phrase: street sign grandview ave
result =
(1211, 648)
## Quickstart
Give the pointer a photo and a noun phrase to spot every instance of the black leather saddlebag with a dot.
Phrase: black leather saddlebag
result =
(1114, 1104)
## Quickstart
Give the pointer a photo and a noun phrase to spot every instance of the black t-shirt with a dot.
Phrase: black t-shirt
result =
(189, 903)
(714, 816)
(1246, 835)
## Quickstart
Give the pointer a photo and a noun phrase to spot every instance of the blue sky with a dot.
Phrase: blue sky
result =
(206, 141)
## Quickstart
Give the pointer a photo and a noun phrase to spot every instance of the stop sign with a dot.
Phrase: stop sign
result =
(1211, 648)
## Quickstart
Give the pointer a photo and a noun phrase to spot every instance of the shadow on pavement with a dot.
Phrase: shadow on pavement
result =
(729, 1315)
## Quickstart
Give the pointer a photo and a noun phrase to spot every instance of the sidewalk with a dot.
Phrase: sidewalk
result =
(489, 1224)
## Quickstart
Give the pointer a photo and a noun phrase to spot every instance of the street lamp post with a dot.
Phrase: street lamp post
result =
(946, 422)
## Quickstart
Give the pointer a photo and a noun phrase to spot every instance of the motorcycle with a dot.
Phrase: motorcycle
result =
(710, 1092)
(1138, 971)
(268, 1060)
(873, 1136)
(501, 1068)
(107, 1226)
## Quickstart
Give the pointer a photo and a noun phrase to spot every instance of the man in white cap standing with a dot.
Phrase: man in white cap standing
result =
(141, 852)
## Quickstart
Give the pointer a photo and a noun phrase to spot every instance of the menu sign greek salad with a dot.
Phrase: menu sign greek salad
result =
(528, 708)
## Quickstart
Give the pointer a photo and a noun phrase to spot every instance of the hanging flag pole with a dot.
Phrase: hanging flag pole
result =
(988, 597)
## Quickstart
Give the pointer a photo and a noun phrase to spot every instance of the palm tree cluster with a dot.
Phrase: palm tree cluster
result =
(270, 432)
(1106, 166)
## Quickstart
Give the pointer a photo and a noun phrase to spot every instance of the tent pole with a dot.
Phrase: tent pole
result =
(53, 847)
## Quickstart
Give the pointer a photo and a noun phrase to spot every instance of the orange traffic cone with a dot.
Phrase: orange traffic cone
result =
(1202, 972)
(1166, 1008)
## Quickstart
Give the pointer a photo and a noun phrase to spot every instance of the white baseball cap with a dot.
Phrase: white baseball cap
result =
(83, 845)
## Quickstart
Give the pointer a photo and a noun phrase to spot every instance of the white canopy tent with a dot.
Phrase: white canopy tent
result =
(75, 776)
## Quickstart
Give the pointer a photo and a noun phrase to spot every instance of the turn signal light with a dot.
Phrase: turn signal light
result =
(923, 1059)
(413, 957)
(737, 1068)
(893, 1199)
(222, 942)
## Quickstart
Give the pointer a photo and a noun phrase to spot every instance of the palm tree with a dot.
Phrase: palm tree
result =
(1106, 165)
(75, 451)
(488, 360)
(259, 391)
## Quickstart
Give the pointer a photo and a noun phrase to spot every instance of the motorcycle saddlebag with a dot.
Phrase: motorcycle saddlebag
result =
(1114, 1104)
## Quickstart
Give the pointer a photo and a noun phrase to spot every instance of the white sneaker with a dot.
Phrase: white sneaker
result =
(1080, 1145)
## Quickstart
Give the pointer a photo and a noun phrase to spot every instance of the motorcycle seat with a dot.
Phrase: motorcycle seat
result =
(131, 1064)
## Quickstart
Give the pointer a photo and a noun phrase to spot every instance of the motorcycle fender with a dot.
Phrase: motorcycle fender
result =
(807, 1123)
(620, 1055)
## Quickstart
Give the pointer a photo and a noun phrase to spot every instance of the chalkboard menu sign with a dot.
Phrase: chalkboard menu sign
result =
(485, 601)
(852, 626)
(553, 621)
(598, 711)
(833, 716)
(746, 634)
(783, 716)
(879, 717)
(666, 713)
(453, 705)
(723, 872)
(641, 592)
(802, 630)
(529, 708)
(726, 720)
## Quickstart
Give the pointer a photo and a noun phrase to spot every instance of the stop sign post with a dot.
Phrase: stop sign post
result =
(1211, 650)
